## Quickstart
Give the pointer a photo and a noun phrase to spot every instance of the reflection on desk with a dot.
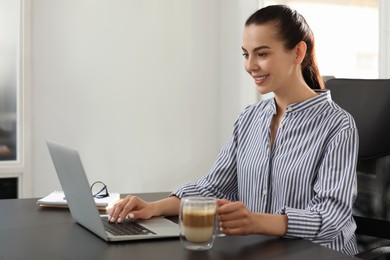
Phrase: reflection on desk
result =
(51, 233)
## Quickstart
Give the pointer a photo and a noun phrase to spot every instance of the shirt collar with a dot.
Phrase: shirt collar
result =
(322, 97)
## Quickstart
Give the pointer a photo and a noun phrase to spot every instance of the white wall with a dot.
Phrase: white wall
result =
(237, 89)
(384, 39)
(146, 90)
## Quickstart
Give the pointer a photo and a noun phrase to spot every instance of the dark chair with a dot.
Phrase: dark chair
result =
(325, 78)
(368, 101)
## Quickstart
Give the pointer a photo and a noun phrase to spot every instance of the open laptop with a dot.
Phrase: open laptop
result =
(81, 204)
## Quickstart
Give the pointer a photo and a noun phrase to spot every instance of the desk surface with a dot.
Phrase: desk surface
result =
(30, 232)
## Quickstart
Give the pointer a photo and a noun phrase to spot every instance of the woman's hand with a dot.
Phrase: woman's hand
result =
(132, 207)
(235, 218)
(135, 208)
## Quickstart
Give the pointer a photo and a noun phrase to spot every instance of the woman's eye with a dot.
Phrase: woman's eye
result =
(245, 55)
(262, 54)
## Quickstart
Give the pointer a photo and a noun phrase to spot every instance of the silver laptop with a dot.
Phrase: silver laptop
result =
(81, 204)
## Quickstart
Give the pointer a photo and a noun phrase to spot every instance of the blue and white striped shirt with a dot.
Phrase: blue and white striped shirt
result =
(309, 175)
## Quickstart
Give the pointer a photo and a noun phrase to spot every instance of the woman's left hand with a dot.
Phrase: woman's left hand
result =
(235, 218)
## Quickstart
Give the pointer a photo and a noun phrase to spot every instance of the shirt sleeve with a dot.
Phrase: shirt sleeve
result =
(335, 191)
(221, 181)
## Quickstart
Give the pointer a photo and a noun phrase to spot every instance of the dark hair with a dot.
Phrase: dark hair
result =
(293, 28)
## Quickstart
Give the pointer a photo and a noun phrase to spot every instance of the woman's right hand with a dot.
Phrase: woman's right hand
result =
(131, 207)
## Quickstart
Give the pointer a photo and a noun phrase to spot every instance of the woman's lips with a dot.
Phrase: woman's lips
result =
(260, 79)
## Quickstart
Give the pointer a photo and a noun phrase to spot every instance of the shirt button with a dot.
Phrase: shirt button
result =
(289, 109)
(264, 192)
(281, 125)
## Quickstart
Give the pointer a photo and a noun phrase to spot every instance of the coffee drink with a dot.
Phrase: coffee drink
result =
(198, 225)
(197, 222)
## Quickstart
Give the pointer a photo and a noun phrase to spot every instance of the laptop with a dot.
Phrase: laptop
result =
(73, 179)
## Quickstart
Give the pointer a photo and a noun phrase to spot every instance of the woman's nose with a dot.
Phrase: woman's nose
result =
(251, 64)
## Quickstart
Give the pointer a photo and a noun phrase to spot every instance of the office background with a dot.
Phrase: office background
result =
(146, 90)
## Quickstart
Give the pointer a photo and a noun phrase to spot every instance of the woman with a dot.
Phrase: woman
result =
(289, 168)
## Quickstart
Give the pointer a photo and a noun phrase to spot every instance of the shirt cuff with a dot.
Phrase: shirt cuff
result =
(302, 223)
(185, 191)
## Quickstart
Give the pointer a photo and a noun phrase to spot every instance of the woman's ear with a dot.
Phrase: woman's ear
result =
(300, 52)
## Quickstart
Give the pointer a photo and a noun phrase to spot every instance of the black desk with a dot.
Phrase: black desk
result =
(30, 232)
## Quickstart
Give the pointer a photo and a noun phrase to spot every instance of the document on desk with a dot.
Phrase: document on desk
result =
(57, 199)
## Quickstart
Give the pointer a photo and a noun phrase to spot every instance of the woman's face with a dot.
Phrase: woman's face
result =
(266, 59)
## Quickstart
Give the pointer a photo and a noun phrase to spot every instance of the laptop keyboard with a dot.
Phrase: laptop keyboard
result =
(127, 227)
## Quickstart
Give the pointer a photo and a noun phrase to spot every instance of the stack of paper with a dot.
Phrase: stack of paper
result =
(57, 199)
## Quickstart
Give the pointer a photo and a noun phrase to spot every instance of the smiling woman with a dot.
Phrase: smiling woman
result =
(289, 167)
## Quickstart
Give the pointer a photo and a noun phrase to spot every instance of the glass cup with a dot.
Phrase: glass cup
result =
(198, 222)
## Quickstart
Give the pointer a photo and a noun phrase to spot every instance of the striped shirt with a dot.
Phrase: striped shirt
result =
(309, 174)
